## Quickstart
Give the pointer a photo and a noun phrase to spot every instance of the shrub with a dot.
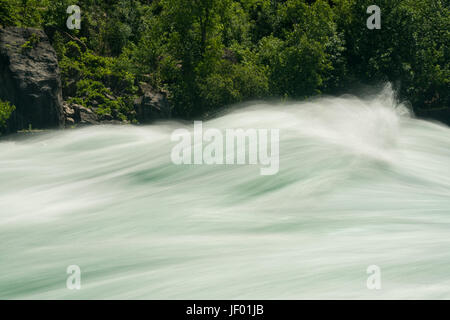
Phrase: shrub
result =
(6, 109)
(31, 43)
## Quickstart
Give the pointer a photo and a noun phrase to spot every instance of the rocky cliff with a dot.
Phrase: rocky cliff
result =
(30, 79)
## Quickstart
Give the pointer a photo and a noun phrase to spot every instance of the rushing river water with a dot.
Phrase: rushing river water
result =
(360, 183)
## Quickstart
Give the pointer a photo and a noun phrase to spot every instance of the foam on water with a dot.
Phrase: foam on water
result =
(361, 183)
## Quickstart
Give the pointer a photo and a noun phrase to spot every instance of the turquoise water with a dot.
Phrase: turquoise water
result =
(361, 182)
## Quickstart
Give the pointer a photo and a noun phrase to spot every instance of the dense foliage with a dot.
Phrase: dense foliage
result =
(6, 109)
(209, 53)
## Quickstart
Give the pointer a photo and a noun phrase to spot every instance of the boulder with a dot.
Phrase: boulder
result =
(30, 79)
(151, 105)
(77, 114)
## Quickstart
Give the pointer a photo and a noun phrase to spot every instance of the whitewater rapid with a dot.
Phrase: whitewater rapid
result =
(361, 182)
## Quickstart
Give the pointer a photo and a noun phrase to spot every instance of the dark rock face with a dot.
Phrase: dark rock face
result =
(30, 79)
(151, 105)
(441, 115)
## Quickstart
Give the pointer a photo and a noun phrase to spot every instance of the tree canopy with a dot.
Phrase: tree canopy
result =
(210, 53)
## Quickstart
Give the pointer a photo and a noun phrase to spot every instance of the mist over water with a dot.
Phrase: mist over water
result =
(361, 182)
